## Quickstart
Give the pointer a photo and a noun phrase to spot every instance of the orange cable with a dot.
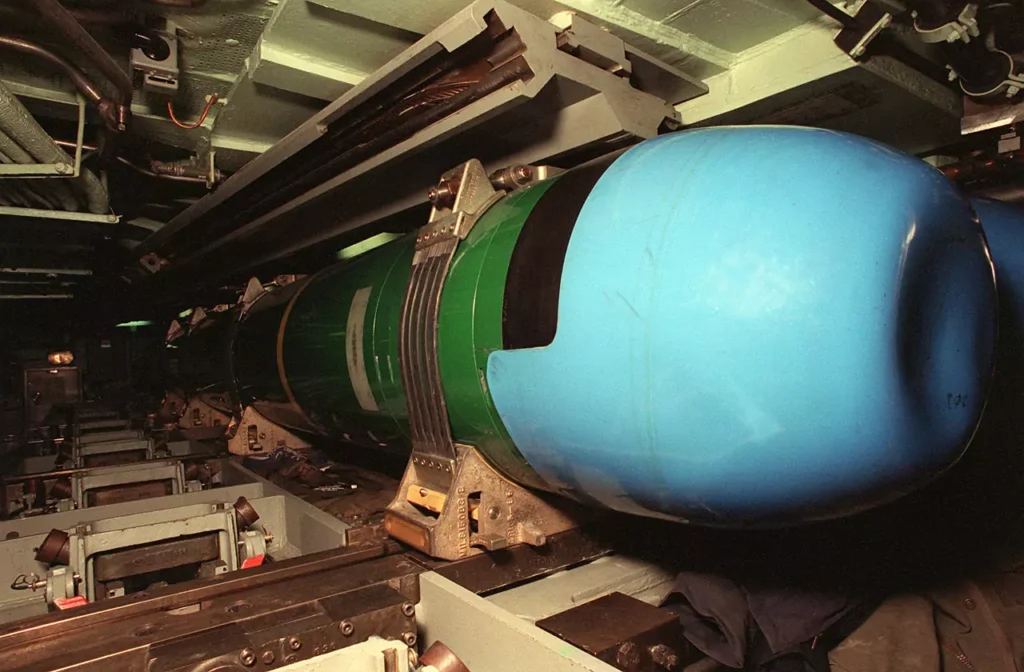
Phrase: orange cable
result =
(202, 118)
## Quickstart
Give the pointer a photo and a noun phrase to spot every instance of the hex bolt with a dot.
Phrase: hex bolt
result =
(409, 638)
(346, 628)
(247, 657)
(628, 656)
(268, 657)
(409, 609)
(664, 656)
(294, 644)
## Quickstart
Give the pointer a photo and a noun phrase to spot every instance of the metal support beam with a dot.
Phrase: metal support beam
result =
(59, 214)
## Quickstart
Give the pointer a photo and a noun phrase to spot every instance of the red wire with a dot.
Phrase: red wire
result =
(202, 118)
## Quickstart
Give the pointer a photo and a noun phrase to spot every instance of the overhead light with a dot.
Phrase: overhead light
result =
(136, 323)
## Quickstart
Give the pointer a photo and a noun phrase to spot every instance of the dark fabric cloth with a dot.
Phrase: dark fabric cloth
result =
(748, 627)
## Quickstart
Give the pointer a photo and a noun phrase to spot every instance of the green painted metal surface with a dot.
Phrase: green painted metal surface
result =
(340, 348)
(337, 359)
(470, 329)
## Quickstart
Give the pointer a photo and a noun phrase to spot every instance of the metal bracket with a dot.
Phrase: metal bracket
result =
(59, 169)
(159, 76)
(254, 434)
(454, 508)
(869, 20)
(963, 28)
(461, 197)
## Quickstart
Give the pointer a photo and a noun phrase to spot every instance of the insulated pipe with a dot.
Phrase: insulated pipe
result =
(77, 35)
(10, 149)
(77, 77)
(24, 130)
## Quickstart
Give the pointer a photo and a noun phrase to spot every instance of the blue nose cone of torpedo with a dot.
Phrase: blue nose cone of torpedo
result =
(758, 325)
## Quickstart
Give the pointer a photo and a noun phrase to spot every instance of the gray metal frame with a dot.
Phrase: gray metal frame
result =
(102, 477)
(570, 104)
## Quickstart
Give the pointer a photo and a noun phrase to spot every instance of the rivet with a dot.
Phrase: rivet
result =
(423, 492)
(970, 604)
(346, 628)
(294, 643)
(493, 513)
(247, 657)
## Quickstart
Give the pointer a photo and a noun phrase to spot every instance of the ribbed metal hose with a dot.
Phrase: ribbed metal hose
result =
(22, 128)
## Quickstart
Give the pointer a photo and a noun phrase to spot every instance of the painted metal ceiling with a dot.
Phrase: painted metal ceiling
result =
(274, 63)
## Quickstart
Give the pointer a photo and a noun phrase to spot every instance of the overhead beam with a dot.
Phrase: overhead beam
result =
(797, 57)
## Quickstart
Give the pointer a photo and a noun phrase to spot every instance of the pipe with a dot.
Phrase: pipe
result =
(78, 36)
(24, 130)
(826, 7)
(77, 77)
(218, 175)
(60, 191)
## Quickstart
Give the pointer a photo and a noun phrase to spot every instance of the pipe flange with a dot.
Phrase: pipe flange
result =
(245, 515)
(55, 549)
(442, 658)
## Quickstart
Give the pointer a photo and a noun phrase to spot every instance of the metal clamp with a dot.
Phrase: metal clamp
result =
(452, 509)
(963, 28)
(461, 197)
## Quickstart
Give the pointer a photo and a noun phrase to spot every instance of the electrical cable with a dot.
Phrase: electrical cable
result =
(202, 118)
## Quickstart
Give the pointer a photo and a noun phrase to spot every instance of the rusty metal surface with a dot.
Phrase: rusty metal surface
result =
(625, 632)
(130, 492)
(271, 618)
(155, 557)
(489, 572)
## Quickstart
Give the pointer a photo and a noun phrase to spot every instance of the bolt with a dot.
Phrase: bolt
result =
(263, 435)
(664, 656)
(970, 604)
(63, 168)
(346, 628)
(423, 492)
(112, 219)
(628, 656)
(268, 657)
(247, 657)
(525, 172)
(493, 513)
(409, 638)
(294, 644)
(408, 609)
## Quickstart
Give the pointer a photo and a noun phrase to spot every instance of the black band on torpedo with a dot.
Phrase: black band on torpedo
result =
(530, 309)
